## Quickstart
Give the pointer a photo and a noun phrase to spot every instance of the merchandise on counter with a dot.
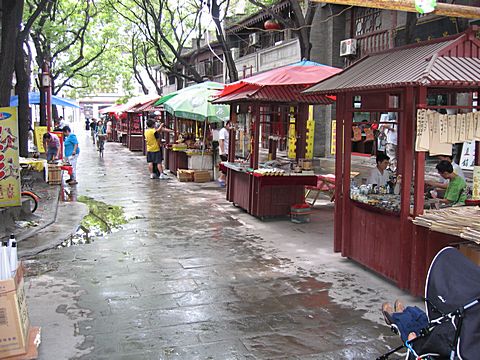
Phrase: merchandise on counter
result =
(461, 221)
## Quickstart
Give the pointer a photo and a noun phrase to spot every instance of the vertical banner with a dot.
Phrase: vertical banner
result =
(39, 131)
(292, 135)
(476, 183)
(310, 134)
(9, 162)
(333, 142)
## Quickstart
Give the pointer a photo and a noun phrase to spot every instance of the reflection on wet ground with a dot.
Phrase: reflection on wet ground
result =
(184, 280)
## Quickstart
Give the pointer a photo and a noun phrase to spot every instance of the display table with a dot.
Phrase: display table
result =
(176, 160)
(34, 164)
(135, 142)
(265, 196)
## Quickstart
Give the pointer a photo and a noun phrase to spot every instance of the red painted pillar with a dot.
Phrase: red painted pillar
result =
(406, 150)
(301, 130)
(337, 231)
(419, 186)
(47, 86)
(344, 183)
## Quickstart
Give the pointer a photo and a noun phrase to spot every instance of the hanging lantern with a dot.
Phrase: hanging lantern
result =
(272, 25)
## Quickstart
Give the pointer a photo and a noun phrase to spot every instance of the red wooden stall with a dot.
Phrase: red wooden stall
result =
(400, 81)
(269, 100)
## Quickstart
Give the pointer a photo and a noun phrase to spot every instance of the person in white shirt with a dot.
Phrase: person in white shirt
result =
(443, 183)
(223, 139)
(392, 138)
(379, 175)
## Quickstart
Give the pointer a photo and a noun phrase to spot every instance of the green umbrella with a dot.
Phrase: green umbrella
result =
(165, 98)
(194, 103)
(209, 84)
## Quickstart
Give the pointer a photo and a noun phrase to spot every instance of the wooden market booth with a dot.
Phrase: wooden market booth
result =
(400, 81)
(190, 114)
(266, 103)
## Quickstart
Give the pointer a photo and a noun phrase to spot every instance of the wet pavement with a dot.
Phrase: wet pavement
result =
(185, 278)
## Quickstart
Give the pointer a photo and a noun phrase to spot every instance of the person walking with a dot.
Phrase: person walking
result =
(223, 139)
(109, 130)
(51, 144)
(154, 151)
(72, 150)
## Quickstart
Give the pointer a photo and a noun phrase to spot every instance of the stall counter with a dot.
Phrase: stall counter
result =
(265, 196)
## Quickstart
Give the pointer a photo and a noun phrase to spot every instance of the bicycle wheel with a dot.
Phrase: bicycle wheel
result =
(33, 200)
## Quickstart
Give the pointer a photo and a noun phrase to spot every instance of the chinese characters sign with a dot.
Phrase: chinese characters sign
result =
(9, 165)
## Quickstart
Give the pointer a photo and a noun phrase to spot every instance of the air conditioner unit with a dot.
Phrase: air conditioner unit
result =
(235, 53)
(348, 47)
(254, 38)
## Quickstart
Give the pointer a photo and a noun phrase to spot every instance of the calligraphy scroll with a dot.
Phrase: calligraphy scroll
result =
(436, 147)
(423, 133)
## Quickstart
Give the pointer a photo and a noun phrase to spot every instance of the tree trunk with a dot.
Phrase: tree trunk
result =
(12, 11)
(410, 25)
(43, 107)
(228, 58)
(22, 73)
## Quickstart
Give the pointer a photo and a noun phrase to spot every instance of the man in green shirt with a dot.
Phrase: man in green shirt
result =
(457, 187)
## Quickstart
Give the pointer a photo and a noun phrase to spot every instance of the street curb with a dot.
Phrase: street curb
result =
(66, 224)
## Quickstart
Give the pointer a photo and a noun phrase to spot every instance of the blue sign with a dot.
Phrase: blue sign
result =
(5, 115)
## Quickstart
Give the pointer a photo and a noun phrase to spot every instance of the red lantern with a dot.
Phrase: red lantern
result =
(272, 25)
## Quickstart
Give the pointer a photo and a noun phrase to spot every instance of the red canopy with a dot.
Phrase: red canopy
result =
(291, 78)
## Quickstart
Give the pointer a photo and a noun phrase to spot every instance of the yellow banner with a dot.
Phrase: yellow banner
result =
(310, 133)
(333, 143)
(476, 183)
(39, 131)
(9, 167)
(292, 136)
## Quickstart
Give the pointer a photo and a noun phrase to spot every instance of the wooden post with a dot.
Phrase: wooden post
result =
(406, 150)
(344, 183)
(337, 232)
(256, 137)
(419, 197)
(301, 130)
(462, 11)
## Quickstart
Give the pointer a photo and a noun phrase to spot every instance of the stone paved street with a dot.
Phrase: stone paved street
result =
(187, 278)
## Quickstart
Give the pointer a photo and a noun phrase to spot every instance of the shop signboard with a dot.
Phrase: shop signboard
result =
(39, 132)
(9, 161)
(310, 133)
(467, 158)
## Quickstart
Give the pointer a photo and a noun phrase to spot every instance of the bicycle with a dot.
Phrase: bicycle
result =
(101, 144)
(27, 184)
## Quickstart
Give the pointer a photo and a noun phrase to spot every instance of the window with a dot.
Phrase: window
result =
(367, 20)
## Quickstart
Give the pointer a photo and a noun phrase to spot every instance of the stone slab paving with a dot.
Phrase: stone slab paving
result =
(183, 279)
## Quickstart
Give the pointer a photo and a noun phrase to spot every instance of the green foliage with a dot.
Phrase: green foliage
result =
(84, 43)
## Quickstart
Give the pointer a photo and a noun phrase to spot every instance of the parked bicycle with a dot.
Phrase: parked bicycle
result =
(27, 184)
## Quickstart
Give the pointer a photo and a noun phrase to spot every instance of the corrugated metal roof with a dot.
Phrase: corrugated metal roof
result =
(426, 64)
(268, 94)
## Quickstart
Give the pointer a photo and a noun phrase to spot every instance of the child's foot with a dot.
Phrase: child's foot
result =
(164, 177)
(153, 176)
(221, 183)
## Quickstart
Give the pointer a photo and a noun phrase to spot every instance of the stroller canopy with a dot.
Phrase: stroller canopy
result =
(453, 281)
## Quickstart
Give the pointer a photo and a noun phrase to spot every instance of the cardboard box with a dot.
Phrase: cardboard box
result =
(14, 321)
(185, 175)
(201, 176)
(471, 251)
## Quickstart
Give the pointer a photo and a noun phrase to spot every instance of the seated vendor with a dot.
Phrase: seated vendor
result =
(443, 183)
(456, 189)
(379, 174)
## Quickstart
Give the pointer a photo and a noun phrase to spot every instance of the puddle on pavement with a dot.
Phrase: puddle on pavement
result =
(102, 219)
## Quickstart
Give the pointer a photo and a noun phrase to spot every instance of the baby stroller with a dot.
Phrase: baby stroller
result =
(451, 295)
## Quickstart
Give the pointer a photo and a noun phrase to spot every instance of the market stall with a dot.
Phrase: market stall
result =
(190, 113)
(396, 89)
(270, 111)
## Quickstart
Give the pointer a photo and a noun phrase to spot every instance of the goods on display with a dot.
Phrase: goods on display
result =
(458, 221)
(437, 132)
